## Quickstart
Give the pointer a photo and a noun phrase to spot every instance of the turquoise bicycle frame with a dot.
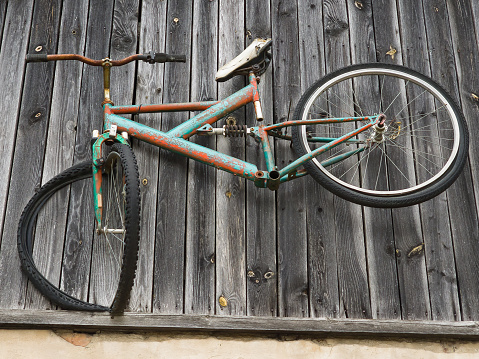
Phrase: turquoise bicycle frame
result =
(176, 141)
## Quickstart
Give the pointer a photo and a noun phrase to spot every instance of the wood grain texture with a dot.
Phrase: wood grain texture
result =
(32, 122)
(201, 213)
(413, 292)
(209, 236)
(170, 226)
(352, 328)
(466, 246)
(230, 190)
(293, 288)
(103, 282)
(79, 237)
(149, 89)
(59, 147)
(261, 264)
(439, 253)
(322, 263)
(3, 10)
(378, 224)
(16, 29)
(350, 247)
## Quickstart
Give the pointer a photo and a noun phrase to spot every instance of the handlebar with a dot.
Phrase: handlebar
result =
(150, 57)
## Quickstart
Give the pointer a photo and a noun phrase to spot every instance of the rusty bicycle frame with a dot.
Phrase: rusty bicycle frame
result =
(118, 128)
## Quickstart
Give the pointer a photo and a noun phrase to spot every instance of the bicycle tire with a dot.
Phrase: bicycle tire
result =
(421, 153)
(28, 219)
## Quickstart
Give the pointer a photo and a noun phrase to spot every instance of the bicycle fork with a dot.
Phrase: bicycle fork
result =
(98, 162)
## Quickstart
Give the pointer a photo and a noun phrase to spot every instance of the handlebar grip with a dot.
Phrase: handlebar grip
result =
(36, 58)
(160, 57)
(175, 58)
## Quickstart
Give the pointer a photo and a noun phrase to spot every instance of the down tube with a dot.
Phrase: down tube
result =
(185, 148)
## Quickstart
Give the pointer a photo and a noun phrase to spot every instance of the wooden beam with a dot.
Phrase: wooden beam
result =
(49, 319)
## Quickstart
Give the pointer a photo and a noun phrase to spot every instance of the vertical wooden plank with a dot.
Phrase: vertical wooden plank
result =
(32, 123)
(170, 231)
(435, 214)
(350, 252)
(123, 43)
(3, 10)
(14, 46)
(465, 230)
(260, 206)
(200, 217)
(149, 87)
(230, 190)
(378, 226)
(291, 213)
(406, 221)
(336, 54)
(49, 239)
(415, 55)
(322, 265)
(79, 235)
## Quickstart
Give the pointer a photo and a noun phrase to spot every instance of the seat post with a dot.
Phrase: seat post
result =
(253, 80)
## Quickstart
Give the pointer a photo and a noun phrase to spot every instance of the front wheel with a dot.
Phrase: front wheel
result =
(417, 152)
(69, 260)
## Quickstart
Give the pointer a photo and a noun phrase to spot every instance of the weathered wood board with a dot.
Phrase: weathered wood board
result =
(212, 243)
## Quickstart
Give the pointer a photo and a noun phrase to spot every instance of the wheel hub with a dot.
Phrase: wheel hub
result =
(379, 129)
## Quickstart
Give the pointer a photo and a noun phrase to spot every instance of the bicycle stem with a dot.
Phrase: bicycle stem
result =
(106, 64)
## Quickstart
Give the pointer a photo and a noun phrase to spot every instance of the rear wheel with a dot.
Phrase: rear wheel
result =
(419, 152)
(71, 262)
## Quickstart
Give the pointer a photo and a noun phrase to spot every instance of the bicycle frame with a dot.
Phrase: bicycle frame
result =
(175, 140)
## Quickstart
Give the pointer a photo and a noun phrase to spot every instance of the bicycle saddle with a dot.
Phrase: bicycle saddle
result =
(254, 54)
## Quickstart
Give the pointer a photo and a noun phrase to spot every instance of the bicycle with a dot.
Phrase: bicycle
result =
(375, 134)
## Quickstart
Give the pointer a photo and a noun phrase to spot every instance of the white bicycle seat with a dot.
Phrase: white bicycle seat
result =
(247, 57)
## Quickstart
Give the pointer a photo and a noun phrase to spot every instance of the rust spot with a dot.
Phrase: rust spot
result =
(228, 194)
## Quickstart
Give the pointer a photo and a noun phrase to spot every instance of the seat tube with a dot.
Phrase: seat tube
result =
(253, 80)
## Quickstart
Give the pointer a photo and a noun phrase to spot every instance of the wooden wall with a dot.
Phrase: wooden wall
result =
(207, 235)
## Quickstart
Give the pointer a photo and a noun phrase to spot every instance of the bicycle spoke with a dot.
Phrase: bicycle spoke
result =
(394, 100)
(394, 164)
(351, 167)
(409, 103)
(422, 154)
(379, 170)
